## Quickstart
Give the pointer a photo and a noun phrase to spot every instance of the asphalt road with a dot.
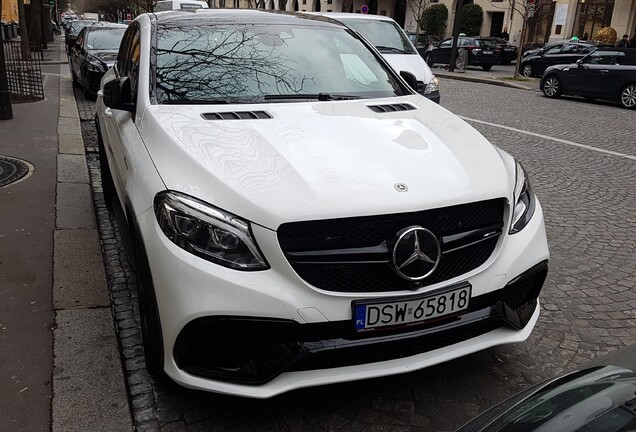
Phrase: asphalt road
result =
(582, 163)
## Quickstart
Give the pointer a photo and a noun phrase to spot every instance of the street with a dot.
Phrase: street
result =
(582, 164)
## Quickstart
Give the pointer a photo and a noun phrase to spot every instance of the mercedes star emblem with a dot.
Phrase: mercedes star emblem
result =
(416, 253)
(401, 187)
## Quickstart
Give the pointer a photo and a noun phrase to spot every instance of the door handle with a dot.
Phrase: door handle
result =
(604, 71)
(108, 113)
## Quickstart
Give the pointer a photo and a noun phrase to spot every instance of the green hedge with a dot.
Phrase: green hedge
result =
(434, 20)
(472, 17)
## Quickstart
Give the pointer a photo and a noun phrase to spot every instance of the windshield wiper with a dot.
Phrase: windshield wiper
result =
(388, 48)
(318, 96)
(199, 102)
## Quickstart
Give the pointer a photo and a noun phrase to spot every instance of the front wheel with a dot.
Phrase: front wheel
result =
(486, 67)
(552, 87)
(526, 70)
(149, 314)
(628, 96)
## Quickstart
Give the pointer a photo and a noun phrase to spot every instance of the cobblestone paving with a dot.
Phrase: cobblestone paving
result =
(588, 300)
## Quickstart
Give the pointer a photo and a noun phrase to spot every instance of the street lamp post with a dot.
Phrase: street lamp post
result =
(6, 113)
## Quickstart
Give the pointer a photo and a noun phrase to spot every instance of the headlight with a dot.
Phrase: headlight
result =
(208, 232)
(94, 66)
(524, 201)
(432, 86)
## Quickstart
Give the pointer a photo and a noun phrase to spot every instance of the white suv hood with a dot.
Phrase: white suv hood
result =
(324, 159)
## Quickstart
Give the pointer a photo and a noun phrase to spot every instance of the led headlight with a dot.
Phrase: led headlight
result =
(432, 86)
(208, 232)
(95, 66)
(524, 201)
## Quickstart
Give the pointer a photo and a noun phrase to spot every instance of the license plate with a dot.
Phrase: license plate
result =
(488, 52)
(370, 315)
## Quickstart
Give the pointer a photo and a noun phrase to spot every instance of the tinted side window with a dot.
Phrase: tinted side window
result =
(135, 57)
(571, 49)
(124, 52)
(602, 58)
(554, 50)
(447, 43)
(628, 58)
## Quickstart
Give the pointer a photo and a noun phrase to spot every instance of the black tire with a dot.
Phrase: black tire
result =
(151, 335)
(486, 67)
(526, 70)
(88, 94)
(627, 98)
(76, 82)
(552, 87)
(108, 186)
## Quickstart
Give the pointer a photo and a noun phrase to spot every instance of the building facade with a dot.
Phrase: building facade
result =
(552, 19)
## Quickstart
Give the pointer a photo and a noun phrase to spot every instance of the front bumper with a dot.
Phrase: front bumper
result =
(255, 351)
(259, 334)
(434, 96)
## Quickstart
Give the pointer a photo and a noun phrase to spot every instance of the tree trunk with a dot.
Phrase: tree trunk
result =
(35, 21)
(524, 30)
(24, 32)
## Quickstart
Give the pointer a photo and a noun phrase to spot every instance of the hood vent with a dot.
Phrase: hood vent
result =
(391, 108)
(237, 115)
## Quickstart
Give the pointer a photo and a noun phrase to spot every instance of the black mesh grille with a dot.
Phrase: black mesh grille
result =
(237, 115)
(391, 108)
(394, 349)
(370, 231)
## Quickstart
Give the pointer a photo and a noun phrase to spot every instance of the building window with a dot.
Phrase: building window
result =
(591, 16)
(304, 1)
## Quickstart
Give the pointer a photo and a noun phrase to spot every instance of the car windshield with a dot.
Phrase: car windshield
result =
(77, 26)
(257, 63)
(104, 39)
(385, 35)
(161, 6)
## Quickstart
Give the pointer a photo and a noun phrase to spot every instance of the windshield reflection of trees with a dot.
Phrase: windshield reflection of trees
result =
(239, 64)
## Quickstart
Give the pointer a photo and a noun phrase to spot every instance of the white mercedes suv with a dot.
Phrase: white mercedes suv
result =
(297, 215)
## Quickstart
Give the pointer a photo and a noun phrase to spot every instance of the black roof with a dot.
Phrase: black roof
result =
(240, 16)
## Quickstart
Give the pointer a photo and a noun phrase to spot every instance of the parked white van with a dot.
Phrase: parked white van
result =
(164, 5)
(394, 45)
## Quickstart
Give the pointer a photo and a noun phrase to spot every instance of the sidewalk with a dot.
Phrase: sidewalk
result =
(494, 76)
(60, 362)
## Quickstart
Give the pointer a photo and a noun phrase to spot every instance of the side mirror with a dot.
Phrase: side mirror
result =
(579, 63)
(118, 95)
(410, 79)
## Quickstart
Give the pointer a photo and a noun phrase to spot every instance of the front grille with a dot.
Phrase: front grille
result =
(395, 349)
(367, 241)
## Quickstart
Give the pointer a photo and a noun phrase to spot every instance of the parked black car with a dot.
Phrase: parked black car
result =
(93, 53)
(507, 51)
(481, 52)
(599, 398)
(607, 74)
(535, 65)
(73, 29)
(424, 42)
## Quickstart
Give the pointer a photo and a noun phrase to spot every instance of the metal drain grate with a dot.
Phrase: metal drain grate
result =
(12, 170)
